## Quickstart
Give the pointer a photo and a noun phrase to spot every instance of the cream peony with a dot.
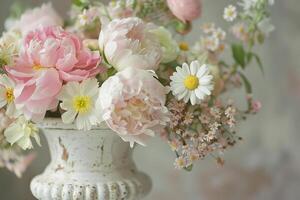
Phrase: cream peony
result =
(169, 46)
(133, 105)
(129, 42)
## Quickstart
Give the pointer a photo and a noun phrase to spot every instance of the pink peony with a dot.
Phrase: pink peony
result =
(129, 42)
(133, 105)
(49, 57)
(186, 10)
(39, 17)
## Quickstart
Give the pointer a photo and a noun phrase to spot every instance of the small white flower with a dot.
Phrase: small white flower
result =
(78, 100)
(210, 43)
(83, 18)
(230, 13)
(7, 97)
(20, 131)
(88, 16)
(220, 34)
(208, 28)
(239, 30)
(192, 82)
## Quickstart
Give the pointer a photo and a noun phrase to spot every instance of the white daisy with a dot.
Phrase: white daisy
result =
(7, 97)
(230, 13)
(78, 100)
(191, 82)
(20, 131)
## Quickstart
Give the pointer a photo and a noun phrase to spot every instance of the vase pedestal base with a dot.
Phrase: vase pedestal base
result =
(91, 165)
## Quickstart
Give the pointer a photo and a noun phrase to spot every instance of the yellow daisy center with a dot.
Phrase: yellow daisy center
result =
(191, 82)
(10, 95)
(82, 104)
(230, 13)
(184, 46)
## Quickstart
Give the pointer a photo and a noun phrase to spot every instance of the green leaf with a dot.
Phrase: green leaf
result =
(17, 9)
(261, 38)
(249, 57)
(111, 71)
(211, 101)
(259, 63)
(257, 59)
(239, 54)
(247, 83)
(222, 63)
(81, 3)
(189, 168)
(134, 4)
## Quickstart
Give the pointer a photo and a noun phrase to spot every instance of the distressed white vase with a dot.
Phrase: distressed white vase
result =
(88, 165)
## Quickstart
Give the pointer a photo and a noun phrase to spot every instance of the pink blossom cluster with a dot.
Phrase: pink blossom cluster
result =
(49, 58)
(211, 134)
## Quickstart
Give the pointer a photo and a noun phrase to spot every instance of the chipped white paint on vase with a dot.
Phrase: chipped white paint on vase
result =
(88, 165)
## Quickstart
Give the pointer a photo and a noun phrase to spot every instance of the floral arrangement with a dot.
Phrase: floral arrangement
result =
(127, 64)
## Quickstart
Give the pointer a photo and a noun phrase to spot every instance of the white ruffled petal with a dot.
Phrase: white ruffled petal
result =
(90, 87)
(186, 69)
(187, 96)
(194, 67)
(13, 133)
(83, 123)
(199, 94)
(25, 143)
(203, 70)
(193, 98)
(6, 81)
(205, 90)
(68, 116)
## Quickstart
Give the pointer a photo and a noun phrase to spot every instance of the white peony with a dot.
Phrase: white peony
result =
(129, 42)
(38, 17)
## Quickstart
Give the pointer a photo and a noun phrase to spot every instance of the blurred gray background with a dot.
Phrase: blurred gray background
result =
(266, 166)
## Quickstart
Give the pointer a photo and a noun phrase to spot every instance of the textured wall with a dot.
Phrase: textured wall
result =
(266, 166)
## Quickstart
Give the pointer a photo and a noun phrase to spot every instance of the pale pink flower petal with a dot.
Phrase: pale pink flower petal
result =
(133, 105)
(39, 17)
(50, 57)
(187, 10)
(129, 42)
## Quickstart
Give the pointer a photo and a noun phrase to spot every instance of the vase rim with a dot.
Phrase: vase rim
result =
(56, 123)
